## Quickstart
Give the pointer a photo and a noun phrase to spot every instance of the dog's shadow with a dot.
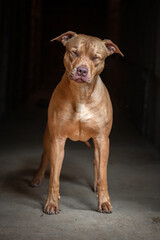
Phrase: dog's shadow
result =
(17, 183)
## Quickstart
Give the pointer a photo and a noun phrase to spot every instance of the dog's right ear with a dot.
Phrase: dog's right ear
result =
(63, 38)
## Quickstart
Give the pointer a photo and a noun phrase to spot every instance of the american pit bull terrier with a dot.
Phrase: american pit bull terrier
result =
(80, 108)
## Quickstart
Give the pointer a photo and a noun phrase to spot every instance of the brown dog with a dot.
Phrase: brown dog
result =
(80, 108)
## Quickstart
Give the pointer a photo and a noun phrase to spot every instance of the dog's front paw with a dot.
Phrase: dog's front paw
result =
(50, 209)
(105, 207)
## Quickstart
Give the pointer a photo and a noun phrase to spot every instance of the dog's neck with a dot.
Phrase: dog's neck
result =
(80, 92)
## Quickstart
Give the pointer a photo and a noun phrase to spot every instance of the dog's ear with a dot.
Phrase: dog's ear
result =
(63, 38)
(111, 47)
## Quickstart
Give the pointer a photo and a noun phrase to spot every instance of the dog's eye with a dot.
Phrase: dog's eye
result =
(74, 53)
(95, 58)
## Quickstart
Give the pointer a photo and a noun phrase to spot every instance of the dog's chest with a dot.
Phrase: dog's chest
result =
(83, 113)
(82, 123)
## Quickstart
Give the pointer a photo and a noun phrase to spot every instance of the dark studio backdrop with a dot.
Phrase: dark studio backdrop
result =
(31, 67)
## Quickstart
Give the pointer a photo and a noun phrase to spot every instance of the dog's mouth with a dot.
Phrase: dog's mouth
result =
(80, 80)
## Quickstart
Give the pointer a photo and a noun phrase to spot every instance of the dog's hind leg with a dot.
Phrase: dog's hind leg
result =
(40, 173)
(96, 166)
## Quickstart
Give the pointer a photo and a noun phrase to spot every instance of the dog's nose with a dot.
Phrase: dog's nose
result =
(82, 71)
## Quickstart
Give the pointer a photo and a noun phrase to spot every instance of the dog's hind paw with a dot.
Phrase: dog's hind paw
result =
(36, 181)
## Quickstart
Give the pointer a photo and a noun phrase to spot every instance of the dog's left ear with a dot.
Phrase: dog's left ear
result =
(111, 47)
(63, 38)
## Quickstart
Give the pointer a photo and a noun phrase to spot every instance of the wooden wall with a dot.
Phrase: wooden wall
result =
(20, 57)
(29, 62)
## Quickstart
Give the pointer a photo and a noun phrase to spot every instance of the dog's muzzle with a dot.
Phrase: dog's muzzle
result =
(80, 74)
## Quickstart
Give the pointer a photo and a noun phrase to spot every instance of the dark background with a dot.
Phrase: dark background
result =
(31, 67)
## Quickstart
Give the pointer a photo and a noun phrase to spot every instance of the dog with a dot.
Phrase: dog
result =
(80, 108)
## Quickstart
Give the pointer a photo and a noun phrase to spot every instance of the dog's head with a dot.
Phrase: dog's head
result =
(85, 55)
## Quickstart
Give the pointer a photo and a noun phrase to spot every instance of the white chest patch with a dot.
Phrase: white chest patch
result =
(83, 113)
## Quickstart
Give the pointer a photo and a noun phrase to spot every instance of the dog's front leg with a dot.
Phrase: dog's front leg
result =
(56, 159)
(101, 158)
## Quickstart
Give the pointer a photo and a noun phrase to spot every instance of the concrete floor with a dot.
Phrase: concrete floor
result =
(133, 179)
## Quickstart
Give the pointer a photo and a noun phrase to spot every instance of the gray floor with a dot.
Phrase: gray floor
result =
(133, 179)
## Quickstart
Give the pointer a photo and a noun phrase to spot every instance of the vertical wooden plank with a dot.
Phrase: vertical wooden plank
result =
(114, 74)
(113, 20)
(34, 77)
(5, 45)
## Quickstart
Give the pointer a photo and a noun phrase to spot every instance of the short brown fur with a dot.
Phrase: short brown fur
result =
(80, 108)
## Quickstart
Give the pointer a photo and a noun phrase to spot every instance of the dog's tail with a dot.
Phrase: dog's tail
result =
(88, 144)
